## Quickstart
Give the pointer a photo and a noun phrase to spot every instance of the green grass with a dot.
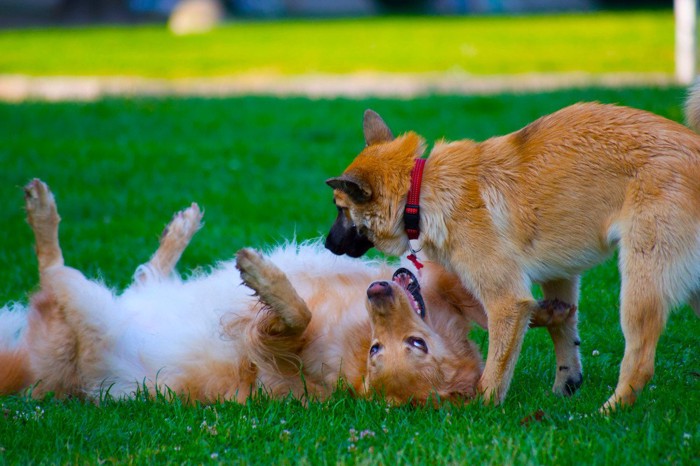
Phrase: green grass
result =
(592, 42)
(119, 169)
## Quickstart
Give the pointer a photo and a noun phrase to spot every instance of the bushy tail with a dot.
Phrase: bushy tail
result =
(692, 107)
(14, 371)
(14, 359)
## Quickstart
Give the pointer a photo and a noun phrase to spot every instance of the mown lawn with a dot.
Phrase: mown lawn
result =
(593, 42)
(119, 169)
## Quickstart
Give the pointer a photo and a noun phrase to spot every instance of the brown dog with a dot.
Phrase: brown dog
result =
(543, 204)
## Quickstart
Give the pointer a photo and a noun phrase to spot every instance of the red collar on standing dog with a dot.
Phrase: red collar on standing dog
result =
(411, 214)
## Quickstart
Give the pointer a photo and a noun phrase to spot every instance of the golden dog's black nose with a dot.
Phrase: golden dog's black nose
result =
(379, 289)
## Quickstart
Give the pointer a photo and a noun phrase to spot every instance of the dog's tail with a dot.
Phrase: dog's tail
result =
(15, 373)
(692, 106)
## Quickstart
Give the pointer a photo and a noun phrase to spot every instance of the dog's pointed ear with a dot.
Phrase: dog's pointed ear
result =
(375, 129)
(359, 191)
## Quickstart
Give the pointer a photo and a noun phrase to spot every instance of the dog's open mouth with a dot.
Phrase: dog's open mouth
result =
(406, 280)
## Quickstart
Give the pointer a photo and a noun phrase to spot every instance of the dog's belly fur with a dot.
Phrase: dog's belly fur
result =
(192, 336)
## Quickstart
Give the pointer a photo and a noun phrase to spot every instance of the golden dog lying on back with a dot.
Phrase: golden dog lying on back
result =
(543, 204)
(315, 320)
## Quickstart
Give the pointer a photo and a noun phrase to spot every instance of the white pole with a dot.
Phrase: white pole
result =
(686, 19)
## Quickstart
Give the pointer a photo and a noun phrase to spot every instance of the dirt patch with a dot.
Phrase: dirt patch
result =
(17, 88)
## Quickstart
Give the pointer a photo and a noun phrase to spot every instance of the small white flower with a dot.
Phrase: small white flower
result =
(366, 433)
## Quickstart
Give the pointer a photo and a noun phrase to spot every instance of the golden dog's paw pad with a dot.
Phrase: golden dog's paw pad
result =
(39, 202)
(184, 224)
(552, 312)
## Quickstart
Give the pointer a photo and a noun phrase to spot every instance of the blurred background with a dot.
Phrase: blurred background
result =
(88, 49)
(14, 13)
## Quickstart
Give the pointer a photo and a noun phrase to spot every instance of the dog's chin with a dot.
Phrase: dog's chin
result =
(352, 245)
(359, 250)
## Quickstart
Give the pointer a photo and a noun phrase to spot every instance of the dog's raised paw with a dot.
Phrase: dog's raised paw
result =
(184, 224)
(251, 264)
(40, 203)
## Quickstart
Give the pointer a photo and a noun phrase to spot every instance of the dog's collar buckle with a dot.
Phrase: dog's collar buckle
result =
(411, 214)
(411, 221)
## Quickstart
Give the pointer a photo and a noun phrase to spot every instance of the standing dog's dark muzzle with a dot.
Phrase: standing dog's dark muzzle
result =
(344, 238)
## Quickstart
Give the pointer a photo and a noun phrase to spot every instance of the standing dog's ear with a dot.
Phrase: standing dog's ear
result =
(375, 129)
(359, 191)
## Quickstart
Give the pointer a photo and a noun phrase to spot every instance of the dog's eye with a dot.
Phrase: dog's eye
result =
(374, 349)
(418, 343)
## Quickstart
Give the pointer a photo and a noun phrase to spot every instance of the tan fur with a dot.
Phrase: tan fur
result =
(543, 204)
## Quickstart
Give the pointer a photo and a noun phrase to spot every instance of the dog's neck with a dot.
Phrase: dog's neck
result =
(437, 203)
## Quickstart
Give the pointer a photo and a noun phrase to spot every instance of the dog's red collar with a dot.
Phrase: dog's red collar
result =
(411, 214)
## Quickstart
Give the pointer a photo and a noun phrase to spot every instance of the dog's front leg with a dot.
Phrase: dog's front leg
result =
(509, 317)
(275, 291)
(173, 242)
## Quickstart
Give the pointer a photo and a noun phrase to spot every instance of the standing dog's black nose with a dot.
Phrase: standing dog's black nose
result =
(378, 289)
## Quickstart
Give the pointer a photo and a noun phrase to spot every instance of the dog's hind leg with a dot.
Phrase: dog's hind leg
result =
(173, 241)
(643, 317)
(65, 332)
(561, 298)
(43, 217)
(646, 263)
(275, 291)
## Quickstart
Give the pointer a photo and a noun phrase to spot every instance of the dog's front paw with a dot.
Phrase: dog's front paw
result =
(551, 313)
(184, 225)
